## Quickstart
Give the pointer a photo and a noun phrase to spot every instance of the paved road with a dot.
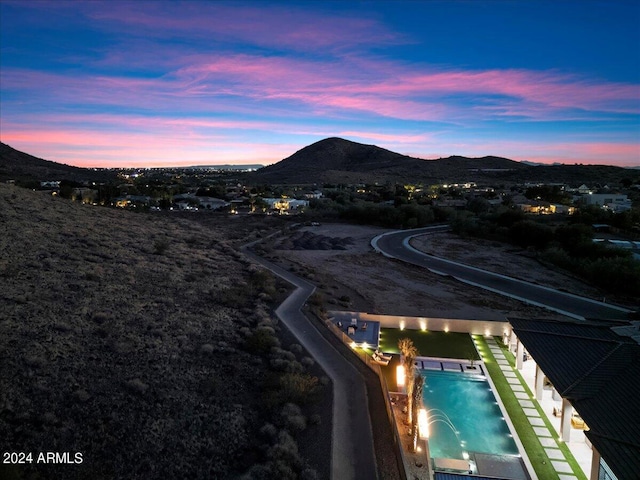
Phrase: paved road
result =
(352, 451)
(396, 245)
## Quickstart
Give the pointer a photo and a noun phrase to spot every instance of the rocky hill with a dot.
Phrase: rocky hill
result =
(122, 338)
(335, 160)
(17, 165)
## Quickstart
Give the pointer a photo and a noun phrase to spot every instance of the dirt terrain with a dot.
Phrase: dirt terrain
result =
(351, 276)
(124, 337)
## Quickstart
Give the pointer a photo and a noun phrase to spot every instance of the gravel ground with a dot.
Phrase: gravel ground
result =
(356, 278)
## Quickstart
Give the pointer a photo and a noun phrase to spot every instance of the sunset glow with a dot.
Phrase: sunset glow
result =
(158, 83)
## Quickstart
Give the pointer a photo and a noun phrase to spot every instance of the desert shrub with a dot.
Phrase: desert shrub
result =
(136, 386)
(309, 474)
(614, 274)
(307, 362)
(285, 454)
(292, 417)
(298, 387)
(236, 296)
(315, 419)
(269, 431)
(527, 233)
(317, 299)
(258, 472)
(570, 237)
(263, 281)
(101, 317)
(261, 341)
(278, 364)
(509, 217)
(160, 246)
(294, 367)
(296, 348)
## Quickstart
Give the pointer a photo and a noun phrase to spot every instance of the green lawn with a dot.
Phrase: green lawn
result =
(430, 344)
(541, 463)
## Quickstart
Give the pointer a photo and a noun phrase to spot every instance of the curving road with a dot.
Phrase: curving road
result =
(396, 245)
(352, 450)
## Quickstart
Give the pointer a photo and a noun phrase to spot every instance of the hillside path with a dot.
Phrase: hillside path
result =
(352, 450)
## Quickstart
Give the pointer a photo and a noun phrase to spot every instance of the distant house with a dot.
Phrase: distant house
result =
(459, 203)
(609, 201)
(211, 203)
(313, 195)
(132, 201)
(50, 184)
(285, 204)
(545, 208)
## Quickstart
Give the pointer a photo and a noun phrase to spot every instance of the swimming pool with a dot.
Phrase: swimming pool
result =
(464, 416)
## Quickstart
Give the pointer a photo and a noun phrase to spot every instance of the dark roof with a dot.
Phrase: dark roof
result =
(598, 371)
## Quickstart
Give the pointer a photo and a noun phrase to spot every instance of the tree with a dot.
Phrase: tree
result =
(409, 353)
(417, 402)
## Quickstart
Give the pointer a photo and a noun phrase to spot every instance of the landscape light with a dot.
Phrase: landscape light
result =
(400, 378)
(423, 423)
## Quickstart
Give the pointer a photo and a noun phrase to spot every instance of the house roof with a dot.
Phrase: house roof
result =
(598, 371)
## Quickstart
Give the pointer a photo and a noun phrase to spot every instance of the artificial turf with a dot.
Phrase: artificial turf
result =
(538, 457)
(430, 343)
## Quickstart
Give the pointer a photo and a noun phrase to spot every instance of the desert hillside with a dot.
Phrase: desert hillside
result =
(336, 160)
(123, 338)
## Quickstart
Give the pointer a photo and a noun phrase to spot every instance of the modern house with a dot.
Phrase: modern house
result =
(593, 369)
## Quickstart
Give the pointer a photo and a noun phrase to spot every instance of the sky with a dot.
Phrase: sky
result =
(155, 84)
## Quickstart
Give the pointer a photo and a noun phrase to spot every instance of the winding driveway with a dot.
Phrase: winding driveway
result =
(352, 450)
(396, 245)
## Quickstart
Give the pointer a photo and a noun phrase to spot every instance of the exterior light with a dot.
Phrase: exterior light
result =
(402, 325)
(400, 377)
(423, 325)
(423, 423)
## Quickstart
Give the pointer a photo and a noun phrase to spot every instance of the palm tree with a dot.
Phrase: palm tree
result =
(417, 403)
(409, 353)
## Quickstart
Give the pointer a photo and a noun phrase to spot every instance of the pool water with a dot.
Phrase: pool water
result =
(464, 416)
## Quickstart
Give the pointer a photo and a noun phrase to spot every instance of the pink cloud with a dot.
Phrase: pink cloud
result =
(266, 25)
(217, 82)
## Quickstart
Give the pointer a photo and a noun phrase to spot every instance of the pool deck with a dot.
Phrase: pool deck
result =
(367, 332)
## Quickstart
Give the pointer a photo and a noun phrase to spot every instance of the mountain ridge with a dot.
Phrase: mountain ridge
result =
(322, 160)
(335, 160)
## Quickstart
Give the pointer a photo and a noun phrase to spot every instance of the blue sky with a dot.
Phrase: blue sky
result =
(154, 83)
